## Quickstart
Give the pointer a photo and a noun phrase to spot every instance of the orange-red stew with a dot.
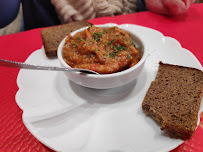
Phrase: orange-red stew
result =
(102, 50)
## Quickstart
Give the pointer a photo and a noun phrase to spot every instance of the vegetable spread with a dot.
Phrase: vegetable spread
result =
(105, 51)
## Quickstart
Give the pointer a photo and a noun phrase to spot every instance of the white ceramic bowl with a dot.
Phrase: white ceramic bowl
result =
(105, 81)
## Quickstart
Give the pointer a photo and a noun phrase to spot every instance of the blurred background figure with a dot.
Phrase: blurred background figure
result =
(168, 7)
(20, 15)
(7, 16)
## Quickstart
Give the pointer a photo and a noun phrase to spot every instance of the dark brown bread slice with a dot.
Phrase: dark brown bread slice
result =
(174, 98)
(52, 36)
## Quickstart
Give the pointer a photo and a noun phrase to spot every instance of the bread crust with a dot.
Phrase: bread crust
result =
(173, 99)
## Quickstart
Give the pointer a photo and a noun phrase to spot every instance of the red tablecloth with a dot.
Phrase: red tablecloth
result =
(187, 29)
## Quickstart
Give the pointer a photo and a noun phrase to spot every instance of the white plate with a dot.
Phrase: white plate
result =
(67, 117)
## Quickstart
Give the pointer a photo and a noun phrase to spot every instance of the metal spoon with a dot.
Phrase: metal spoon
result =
(14, 64)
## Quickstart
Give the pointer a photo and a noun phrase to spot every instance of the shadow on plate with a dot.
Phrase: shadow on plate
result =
(67, 88)
(87, 105)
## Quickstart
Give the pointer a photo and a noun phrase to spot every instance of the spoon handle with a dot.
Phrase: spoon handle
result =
(14, 64)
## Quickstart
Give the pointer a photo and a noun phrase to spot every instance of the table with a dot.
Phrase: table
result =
(186, 28)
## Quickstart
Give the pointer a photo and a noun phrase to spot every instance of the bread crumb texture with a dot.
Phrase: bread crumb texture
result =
(174, 98)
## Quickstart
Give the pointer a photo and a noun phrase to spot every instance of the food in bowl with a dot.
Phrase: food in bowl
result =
(104, 50)
(106, 81)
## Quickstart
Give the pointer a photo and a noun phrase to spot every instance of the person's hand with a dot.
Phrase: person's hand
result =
(168, 7)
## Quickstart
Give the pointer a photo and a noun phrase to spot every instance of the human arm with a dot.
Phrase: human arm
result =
(8, 10)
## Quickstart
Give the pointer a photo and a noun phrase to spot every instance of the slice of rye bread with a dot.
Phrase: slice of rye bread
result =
(174, 98)
(52, 36)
